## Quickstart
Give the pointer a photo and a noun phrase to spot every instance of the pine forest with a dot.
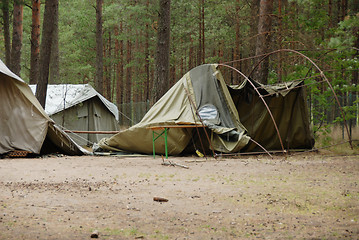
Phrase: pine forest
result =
(114, 45)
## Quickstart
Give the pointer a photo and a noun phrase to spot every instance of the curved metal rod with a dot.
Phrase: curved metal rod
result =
(321, 74)
(264, 102)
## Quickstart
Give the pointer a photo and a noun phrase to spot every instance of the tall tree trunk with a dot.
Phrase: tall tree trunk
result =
(161, 82)
(15, 61)
(147, 65)
(253, 26)
(236, 53)
(121, 78)
(51, 8)
(99, 48)
(55, 54)
(109, 69)
(147, 60)
(279, 40)
(6, 22)
(117, 59)
(330, 13)
(201, 47)
(203, 40)
(35, 42)
(199, 52)
(119, 93)
(105, 76)
(263, 39)
(128, 71)
(344, 8)
(191, 57)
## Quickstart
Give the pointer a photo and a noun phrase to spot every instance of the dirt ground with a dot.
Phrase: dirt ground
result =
(307, 196)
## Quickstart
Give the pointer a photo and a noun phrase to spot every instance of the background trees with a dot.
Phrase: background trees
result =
(201, 32)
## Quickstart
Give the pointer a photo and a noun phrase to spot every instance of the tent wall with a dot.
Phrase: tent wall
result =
(22, 125)
(90, 115)
(289, 112)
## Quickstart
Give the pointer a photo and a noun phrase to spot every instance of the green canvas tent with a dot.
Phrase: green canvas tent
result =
(24, 125)
(80, 107)
(233, 115)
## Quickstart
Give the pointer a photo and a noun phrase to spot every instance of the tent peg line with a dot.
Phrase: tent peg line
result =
(91, 132)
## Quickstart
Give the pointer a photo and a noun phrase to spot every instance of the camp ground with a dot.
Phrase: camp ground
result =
(202, 113)
(24, 125)
(81, 108)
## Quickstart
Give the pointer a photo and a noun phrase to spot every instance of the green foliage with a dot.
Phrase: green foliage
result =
(345, 33)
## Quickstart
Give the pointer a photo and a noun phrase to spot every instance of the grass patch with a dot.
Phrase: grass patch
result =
(127, 232)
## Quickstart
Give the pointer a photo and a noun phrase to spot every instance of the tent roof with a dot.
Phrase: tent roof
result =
(24, 125)
(4, 70)
(63, 96)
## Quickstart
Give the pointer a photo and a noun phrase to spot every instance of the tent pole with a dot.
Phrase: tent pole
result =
(321, 74)
(200, 119)
(264, 102)
(261, 147)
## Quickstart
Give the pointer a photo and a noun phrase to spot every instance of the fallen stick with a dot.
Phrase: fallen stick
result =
(160, 199)
(174, 164)
(169, 163)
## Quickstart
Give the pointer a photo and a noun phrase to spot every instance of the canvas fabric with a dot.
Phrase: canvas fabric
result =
(24, 125)
(202, 85)
(232, 115)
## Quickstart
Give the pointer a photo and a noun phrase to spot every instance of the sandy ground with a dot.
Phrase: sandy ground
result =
(311, 196)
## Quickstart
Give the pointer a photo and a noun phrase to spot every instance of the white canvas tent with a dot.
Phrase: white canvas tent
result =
(24, 125)
(80, 107)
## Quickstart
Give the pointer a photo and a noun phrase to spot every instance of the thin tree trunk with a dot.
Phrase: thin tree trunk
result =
(6, 22)
(35, 42)
(105, 76)
(344, 8)
(121, 84)
(191, 54)
(253, 26)
(147, 60)
(128, 72)
(236, 53)
(15, 61)
(263, 39)
(203, 40)
(109, 69)
(117, 57)
(99, 48)
(338, 11)
(279, 40)
(55, 54)
(161, 82)
(51, 7)
(199, 53)
(330, 13)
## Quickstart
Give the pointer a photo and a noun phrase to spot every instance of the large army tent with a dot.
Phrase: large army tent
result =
(233, 116)
(24, 125)
(81, 108)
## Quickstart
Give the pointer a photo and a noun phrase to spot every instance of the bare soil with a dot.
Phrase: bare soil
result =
(307, 196)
